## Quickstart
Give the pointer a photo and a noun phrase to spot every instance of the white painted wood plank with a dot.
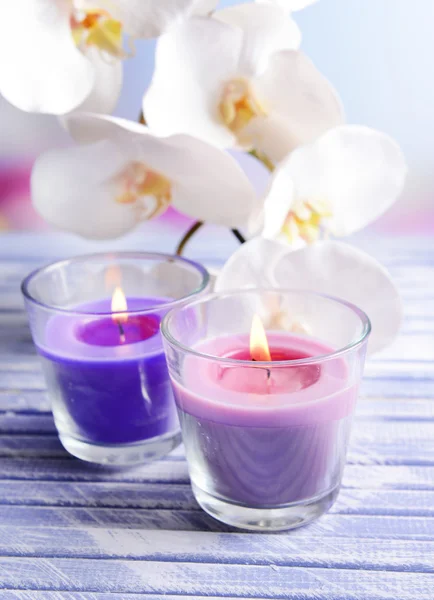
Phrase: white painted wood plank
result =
(114, 495)
(395, 409)
(223, 548)
(418, 346)
(167, 496)
(69, 469)
(171, 471)
(376, 442)
(23, 380)
(65, 518)
(18, 364)
(335, 525)
(24, 401)
(16, 594)
(31, 445)
(380, 452)
(271, 581)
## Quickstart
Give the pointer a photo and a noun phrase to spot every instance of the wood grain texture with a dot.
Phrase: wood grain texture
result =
(413, 477)
(72, 531)
(227, 548)
(416, 503)
(270, 581)
(380, 441)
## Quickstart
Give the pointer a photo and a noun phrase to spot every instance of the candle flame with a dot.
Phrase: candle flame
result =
(119, 304)
(259, 349)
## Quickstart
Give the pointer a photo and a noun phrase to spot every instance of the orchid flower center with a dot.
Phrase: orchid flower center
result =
(137, 181)
(95, 27)
(239, 105)
(306, 220)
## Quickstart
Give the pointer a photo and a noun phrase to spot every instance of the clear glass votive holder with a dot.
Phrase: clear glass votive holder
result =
(266, 440)
(95, 321)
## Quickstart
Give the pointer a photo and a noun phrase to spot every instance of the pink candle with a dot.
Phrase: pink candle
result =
(266, 437)
(265, 417)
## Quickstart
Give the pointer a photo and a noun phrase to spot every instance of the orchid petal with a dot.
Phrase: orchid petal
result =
(42, 69)
(151, 18)
(290, 5)
(360, 172)
(277, 204)
(266, 29)
(252, 265)
(107, 86)
(298, 93)
(73, 190)
(210, 186)
(340, 270)
(191, 65)
(87, 127)
(330, 268)
(272, 135)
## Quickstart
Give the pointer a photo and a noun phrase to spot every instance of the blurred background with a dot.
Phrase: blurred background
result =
(377, 53)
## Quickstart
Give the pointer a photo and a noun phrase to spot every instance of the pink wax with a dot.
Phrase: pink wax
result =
(266, 435)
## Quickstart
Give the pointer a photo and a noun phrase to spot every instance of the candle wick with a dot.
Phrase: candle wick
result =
(268, 372)
(121, 331)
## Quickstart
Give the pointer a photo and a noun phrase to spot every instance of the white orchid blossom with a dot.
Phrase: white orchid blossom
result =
(337, 185)
(60, 55)
(150, 18)
(329, 267)
(237, 80)
(125, 175)
(290, 5)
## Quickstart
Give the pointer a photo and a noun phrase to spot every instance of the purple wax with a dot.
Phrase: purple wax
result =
(265, 439)
(109, 387)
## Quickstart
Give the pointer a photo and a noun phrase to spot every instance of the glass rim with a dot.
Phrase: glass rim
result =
(364, 319)
(123, 254)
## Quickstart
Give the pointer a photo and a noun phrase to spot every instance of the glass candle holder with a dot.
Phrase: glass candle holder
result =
(266, 435)
(95, 321)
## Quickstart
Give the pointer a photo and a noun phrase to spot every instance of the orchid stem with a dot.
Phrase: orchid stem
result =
(239, 236)
(195, 227)
(190, 233)
(263, 159)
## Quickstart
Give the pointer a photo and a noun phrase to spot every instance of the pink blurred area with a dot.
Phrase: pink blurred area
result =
(16, 211)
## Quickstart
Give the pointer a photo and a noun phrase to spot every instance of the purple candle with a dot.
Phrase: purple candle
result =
(108, 376)
(95, 321)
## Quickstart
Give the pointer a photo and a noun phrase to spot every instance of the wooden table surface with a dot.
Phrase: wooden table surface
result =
(72, 531)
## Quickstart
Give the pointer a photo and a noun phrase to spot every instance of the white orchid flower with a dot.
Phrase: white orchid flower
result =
(59, 55)
(329, 267)
(337, 185)
(125, 175)
(150, 18)
(236, 80)
(290, 5)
